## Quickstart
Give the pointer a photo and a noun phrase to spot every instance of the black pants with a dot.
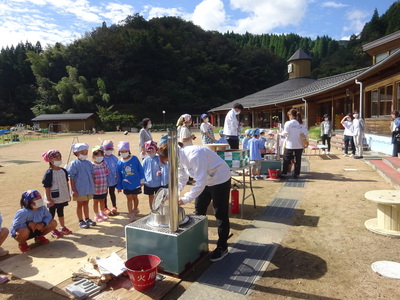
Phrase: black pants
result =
(233, 141)
(326, 138)
(219, 194)
(349, 139)
(289, 155)
(396, 150)
(111, 192)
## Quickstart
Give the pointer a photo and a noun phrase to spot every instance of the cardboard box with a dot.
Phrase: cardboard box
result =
(235, 158)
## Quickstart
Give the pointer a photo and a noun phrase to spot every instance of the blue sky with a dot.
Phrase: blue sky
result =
(51, 21)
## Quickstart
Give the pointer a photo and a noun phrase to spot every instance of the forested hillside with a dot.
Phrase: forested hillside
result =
(142, 68)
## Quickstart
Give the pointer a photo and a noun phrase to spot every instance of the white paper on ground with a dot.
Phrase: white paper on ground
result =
(113, 264)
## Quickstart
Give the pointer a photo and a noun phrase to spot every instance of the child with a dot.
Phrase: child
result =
(270, 143)
(55, 182)
(81, 173)
(130, 178)
(100, 183)
(3, 236)
(152, 171)
(245, 141)
(111, 160)
(164, 165)
(33, 220)
(256, 147)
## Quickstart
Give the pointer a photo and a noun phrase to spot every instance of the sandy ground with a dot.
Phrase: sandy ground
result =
(326, 254)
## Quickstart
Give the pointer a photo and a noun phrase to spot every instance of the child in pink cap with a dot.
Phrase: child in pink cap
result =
(152, 171)
(55, 182)
(130, 178)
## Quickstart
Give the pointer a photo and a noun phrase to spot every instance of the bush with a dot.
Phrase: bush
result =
(314, 133)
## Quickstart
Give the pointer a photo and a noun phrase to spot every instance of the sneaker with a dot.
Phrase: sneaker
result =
(41, 240)
(135, 211)
(345, 155)
(104, 217)
(90, 222)
(358, 157)
(234, 173)
(56, 234)
(351, 155)
(65, 231)
(83, 224)
(3, 252)
(24, 247)
(3, 278)
(114, 211)
(106, 211)
(131, 217)
(218, 254)
(282, 176)
(259, 178)
(98, 218)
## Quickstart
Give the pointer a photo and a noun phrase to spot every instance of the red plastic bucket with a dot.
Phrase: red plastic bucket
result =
(273, 174)
(142, 271)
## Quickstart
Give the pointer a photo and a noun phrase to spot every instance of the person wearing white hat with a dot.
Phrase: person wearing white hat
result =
(186, 136)
(81, 173)
(270, 143)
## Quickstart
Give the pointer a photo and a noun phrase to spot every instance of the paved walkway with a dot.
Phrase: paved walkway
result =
(266, 231)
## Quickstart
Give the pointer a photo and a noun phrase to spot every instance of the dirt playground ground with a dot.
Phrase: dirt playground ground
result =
(326, 254)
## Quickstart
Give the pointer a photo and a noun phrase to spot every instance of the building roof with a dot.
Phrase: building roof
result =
(388, 42)
(63, 117)
(298, 88)
(300, 54)
(265, 96)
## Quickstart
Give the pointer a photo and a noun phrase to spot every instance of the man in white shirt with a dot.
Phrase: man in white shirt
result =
(212, 182)
(358, 130)
(231, 126)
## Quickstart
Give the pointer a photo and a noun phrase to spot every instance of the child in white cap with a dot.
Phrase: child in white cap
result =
(130, 178)
(270, 143)
(81, 174)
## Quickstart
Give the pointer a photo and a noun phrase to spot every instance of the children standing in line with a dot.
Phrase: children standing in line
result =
(33, 220)
(130, 178)
(3, 236)
(55, 182)
(152, 171)
(111, 160)
(81, 180)
(100, 183)
(256, 147)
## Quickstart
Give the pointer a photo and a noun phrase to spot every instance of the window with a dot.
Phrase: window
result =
(389, 97)
(398, 95)
(381, 56)
(374, 103)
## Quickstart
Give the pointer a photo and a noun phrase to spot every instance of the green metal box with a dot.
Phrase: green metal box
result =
(176, 249)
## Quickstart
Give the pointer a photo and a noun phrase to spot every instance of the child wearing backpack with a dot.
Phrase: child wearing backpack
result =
(55, 182)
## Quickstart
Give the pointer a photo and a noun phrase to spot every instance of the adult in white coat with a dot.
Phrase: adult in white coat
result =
(212, 182)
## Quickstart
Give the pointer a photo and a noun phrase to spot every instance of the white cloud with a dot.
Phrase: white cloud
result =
(333, 4)
(209, 14)
(117, 12)
(265, 15)
(356, 20)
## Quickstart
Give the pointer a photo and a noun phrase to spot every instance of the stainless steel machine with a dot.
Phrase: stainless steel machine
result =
(168, 232)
